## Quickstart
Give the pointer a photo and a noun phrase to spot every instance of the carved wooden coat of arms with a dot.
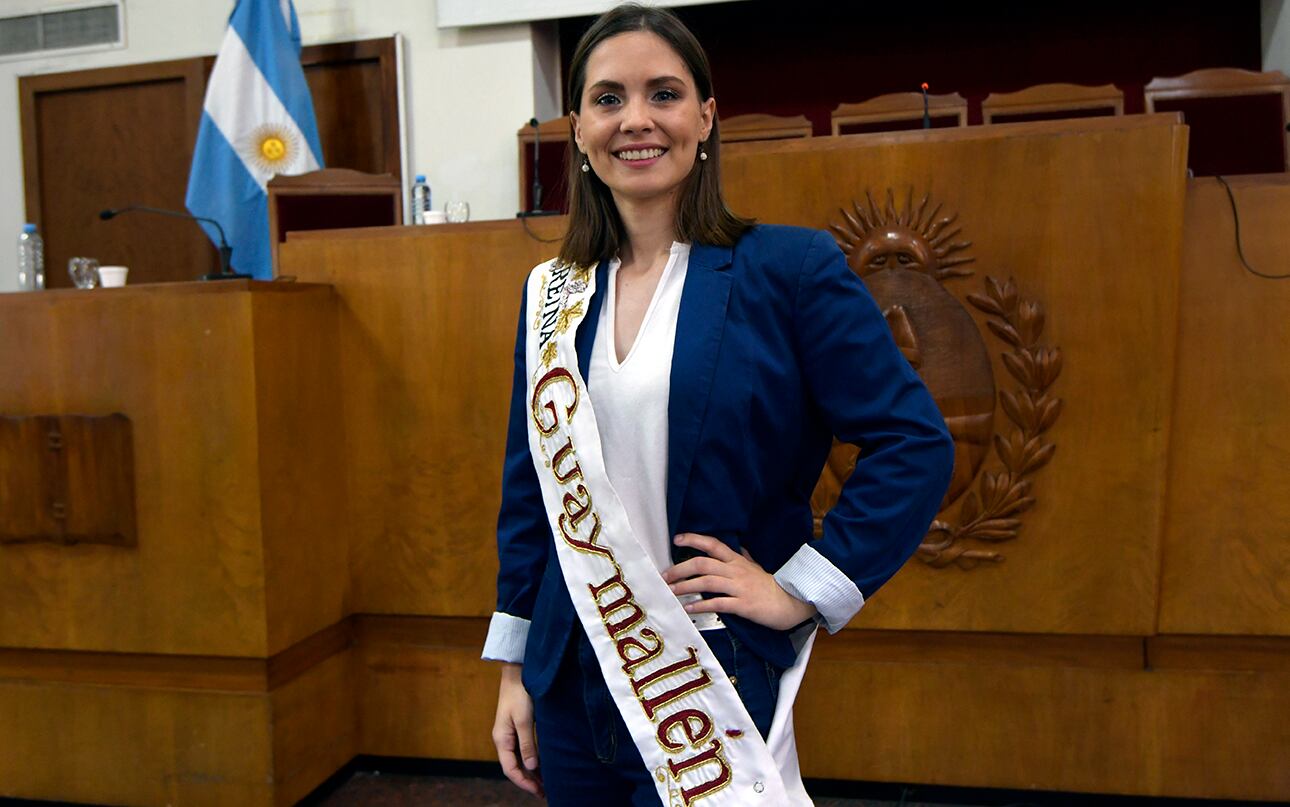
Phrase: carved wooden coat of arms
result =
(905, 255)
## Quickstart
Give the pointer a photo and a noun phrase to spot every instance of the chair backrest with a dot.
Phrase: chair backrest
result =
(888, 112)
(745, 128)
(1052, 102)
(1237, 118)
(552, 136)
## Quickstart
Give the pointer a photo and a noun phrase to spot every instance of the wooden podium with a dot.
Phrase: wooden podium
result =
(207, 663)
(1100, 608)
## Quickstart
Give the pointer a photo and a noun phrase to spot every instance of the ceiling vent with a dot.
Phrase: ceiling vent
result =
(61, 29)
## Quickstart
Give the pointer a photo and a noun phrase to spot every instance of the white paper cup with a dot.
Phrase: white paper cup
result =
(434, 217)
(113, 276)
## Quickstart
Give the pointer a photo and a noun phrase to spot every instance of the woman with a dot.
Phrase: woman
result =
(719, 357)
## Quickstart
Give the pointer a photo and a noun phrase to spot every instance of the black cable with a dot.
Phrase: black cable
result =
(535, 236)
(1240, 252)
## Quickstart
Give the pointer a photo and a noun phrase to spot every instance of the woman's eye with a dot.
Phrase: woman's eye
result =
(666, 95)
(607, 99)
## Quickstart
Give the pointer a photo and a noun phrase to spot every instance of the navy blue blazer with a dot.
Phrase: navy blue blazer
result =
(779, 347)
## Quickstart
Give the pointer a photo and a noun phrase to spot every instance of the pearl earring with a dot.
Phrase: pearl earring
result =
(703, 155)
(586, 166)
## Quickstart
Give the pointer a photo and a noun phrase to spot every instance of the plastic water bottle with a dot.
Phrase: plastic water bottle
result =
(31, 259)
(420, 199)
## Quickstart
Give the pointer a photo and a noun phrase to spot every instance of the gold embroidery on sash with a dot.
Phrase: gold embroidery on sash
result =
(661, 687)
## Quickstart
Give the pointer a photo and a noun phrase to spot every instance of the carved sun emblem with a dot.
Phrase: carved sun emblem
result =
(913, 238)
(904, 254)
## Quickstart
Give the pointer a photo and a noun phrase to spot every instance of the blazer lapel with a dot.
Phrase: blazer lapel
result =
(699, 326)
(585, 338)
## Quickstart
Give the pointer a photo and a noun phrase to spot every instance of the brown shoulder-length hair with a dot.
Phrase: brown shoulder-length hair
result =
(595, 229)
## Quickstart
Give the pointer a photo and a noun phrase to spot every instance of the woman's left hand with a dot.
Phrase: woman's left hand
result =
(751, 592)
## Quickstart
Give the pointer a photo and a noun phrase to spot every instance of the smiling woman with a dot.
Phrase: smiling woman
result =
(641, 120)
(651, 656)
(642, 87)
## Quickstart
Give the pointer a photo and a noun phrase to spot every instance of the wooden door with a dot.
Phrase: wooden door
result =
(96, 139)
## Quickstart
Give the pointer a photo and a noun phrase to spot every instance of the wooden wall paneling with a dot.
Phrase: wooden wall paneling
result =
(423, 691)
(299, 428)
(164, 729)
(982, 724)
(354, 86)
(137, 670)
(427, 339)
(1226, 539)
(1077, 713)
(94, 744)
(1046, 204)
(1225, 653)
(109, 137)
(315, 727)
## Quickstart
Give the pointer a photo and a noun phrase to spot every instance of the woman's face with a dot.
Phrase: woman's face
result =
(640, 120)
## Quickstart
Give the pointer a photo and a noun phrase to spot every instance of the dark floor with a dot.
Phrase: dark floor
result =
(373, 789)
(395, 782)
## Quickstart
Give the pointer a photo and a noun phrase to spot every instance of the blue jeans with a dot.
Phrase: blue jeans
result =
(588, 757)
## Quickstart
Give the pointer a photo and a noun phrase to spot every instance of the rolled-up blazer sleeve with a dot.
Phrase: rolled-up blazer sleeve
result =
(872, 398)
(523, 533)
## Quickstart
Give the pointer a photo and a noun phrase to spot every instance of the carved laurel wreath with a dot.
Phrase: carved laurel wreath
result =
(991, 512)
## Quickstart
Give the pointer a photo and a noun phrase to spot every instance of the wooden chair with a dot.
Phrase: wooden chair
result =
(331, 199)
(746, 128)
(1052, 102)
(901, 107)
(554, 137)
(1237, 118)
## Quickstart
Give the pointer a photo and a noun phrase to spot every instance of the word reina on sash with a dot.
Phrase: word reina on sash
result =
(658, 685)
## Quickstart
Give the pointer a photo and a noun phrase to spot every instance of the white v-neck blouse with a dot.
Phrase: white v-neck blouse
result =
(630, 401)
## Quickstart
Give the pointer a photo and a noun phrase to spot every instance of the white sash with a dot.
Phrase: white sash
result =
(687, 720)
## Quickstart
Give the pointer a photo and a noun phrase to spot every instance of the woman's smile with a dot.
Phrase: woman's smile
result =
(640, 156)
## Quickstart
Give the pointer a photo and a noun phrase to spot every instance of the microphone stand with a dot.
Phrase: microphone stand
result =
(537, 154)
(537, 179)
(225, 251)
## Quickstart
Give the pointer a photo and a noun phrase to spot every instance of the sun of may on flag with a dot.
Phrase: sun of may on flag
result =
(257, 121)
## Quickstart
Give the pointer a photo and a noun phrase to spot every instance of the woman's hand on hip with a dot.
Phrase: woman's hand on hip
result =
(513, 733)
(749, 590)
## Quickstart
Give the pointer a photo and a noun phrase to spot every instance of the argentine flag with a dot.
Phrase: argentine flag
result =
(258, 121)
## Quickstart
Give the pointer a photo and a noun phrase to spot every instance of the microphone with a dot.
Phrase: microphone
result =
(537, 176)
(225, 251)
(927, 118)
(536, 209)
